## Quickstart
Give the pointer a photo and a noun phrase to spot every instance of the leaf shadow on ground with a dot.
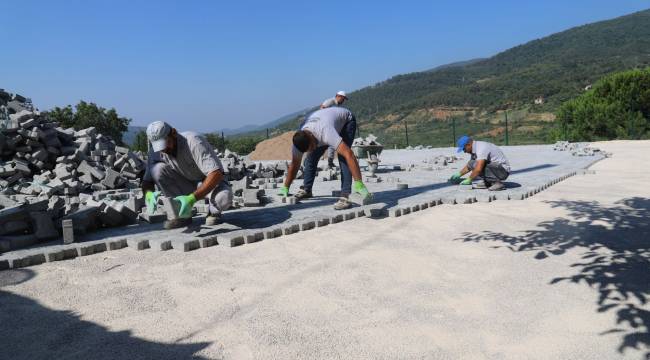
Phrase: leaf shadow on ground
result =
(615, 261)
(31, 330)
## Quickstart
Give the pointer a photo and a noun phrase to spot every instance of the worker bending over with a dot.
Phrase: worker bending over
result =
(333, 127)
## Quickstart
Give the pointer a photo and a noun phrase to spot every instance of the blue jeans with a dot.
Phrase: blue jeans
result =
(311, 163)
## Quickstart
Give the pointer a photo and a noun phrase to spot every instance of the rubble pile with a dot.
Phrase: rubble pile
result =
(578, 149)
(418, 147)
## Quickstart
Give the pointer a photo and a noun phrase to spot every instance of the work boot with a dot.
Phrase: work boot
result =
(212, 220)
(342, 204)
(497, 186)
(303, 194)
(177, 223)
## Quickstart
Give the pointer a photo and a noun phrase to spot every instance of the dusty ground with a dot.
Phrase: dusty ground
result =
(563, 275)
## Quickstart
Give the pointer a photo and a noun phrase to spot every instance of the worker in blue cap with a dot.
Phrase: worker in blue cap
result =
(487, 162)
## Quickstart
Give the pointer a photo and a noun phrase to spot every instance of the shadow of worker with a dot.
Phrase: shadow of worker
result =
(30, 330)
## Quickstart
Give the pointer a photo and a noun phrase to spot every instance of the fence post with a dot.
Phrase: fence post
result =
(453, 131)
(506, 127)
(223, 142)
(267, 133)
(406, 127)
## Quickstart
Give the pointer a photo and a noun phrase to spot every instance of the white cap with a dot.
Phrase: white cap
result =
(342, 93)
(157, 133)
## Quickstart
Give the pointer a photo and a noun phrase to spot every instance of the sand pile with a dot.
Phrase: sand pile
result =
(277, 148)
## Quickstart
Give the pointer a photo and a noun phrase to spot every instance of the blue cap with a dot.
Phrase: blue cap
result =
(462, 141)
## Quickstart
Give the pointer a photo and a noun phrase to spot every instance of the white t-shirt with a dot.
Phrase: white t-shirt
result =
(330, 103)
(195, 158)
(483, 150)
(326, 125)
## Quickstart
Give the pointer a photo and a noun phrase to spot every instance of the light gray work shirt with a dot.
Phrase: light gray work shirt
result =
(330, 103)
(483, 150)
(325, 125)
(195, 158)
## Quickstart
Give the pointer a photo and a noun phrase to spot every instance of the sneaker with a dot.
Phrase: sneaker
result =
(303, 194)
(176, 223)
(482, 185)
(342, 204)
(212, 220)
(497, 186)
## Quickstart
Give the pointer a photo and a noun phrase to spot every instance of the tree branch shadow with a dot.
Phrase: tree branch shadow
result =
(615, 262)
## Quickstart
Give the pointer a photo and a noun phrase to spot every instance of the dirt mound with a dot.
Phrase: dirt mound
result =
(277, 148)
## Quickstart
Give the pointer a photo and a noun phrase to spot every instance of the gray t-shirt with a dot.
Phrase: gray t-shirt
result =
(195, 158)
(483, 150)
(330, 103)
(326, 125)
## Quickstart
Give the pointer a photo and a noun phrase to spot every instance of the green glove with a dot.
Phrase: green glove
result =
(360, 188)
(467, 181)
(455, 178)
(284, 191)
(151, 200)
(187, 201)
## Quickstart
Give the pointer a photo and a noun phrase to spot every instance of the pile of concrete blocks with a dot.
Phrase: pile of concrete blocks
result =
(578, 149)
(439, 162)
(419, 147)
(49, 174)
(561, 146)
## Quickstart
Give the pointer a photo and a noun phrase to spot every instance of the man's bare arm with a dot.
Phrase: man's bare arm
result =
(480, 164)
(211, 181)
(292, 171)
(345, 151)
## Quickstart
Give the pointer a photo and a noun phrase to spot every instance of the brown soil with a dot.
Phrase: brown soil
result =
(277, 148)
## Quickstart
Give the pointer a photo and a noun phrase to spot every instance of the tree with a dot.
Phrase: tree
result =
(85, 115)
(141, 143)
(617, 107)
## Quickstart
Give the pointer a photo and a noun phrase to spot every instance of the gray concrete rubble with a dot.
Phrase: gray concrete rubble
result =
(579, 149)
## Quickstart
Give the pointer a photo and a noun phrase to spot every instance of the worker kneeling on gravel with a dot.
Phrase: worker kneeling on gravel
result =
(333, 127)
(487, 162)
(177, 163)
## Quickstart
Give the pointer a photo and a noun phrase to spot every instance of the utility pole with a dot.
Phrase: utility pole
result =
(223, 142)
(267, 133)
(406, 127)
(506, 127)
(453, 131)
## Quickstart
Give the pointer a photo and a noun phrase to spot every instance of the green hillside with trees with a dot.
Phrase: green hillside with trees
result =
(527, 83)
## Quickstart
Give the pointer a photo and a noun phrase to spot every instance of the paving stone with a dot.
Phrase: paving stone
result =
(29, 259)
(360, 200)
(394, 212)
(402, 186)
(116, 244)
(323, 221)
(415, 208)
(4, 264)
(336, 218)
(52, 255)
(448, 200)
(253, 236)
(350, 215)
(153, 218)
(289, 229)
(406, 210)
(161, 244)
(272, 233)
(232, 239)
(138, 244)
(308, 225)
(208, 241)
(361, 212)
(186, 245)
(68, 231)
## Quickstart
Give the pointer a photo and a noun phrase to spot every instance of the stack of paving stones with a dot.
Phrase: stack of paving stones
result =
(369, 140)
(578, 149)
(439, 162)
(49, 174)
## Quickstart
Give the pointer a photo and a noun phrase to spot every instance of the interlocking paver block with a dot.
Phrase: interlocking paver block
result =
(185, 245)
(160, 244)
(4, 264)
(232, 239)
(350, 215)
(116, 244)
(336, 218)
(323, 221)
(308, 225)
(394, 212)
(138, 244)
(208, 241)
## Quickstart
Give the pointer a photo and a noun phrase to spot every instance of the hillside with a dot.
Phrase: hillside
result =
(555, 68)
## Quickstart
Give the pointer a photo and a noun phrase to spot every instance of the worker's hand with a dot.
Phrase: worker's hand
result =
(361, 189)
(284, 191)
(187, 201)
(467, 181)
(151, 200)
(455, 178)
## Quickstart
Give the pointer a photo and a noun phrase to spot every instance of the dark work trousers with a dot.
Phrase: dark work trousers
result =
(311, 162)
(491, 172)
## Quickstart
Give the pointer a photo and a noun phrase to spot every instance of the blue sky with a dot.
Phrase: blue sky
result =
(207, 65)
